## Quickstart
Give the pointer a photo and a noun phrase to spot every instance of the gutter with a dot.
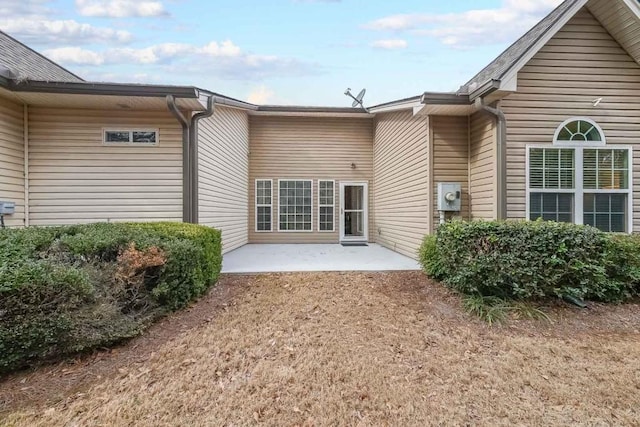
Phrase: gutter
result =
(114, 89)
(485, 89)
(193, 156)
(186, 161)
(190, 207)
(501, 148)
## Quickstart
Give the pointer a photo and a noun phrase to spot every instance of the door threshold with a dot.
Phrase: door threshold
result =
(347, 244)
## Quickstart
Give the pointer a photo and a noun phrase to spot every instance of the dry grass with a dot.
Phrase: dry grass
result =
(346, 349)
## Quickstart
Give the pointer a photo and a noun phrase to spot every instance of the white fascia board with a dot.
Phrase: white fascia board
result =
(397, 107)
(634, 6)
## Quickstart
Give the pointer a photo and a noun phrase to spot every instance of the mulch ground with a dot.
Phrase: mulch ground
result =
(319, 349)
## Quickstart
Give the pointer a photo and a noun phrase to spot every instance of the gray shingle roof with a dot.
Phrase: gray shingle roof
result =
(26, 63)
(507, 59)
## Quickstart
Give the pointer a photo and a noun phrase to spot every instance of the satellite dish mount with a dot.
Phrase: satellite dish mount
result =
(357, 100)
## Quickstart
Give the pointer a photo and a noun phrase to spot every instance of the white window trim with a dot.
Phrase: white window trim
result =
(332, 205)
(579, 143)
(130, 130)
(270, 206)
(579, 190)
(280, 206)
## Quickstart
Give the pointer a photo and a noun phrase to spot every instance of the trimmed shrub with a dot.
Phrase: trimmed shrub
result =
(70, 289)
(622, 262)
(523, 260)
(429, 257)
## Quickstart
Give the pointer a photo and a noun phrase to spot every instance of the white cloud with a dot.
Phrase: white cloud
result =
(261, 95)
(160, 53)
(390, 44)
(74, 55)
(120, 8)
(42, 31)
(18, 8)
(224, 59)
(226, 48)
(473, 27)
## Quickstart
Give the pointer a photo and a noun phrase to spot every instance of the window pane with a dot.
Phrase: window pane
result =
(607, 212)
(579, 130)
(295, 202)
(263, 205)
(116, 136)
(551, 206)
(564, 135)
(551, 168)
(593, 135)
(606, 169)
(618, 203)
(144, 137)
(264, 218)
(618, 223)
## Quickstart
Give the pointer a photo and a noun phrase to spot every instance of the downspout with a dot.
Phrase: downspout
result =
(502, 158)
(25, 129)
(186, 159)
(193, 156)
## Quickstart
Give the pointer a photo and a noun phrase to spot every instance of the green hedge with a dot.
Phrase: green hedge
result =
(70, 289)
(523, 260)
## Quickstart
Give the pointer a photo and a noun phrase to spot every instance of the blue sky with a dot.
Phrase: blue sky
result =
(303, 52)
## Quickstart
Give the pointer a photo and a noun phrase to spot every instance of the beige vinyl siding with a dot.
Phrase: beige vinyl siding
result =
(451, 158)
(308, 148)
(12, 159)
(73, 178)
(619, 19)
(581, 63)
(482, 167)
(223, 143)
(401, 177)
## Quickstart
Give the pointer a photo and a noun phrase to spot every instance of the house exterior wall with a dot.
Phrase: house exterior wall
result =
(74, 178)
(308, 148)
(401, 178)
(223, 189)
(12, 159)
(450, 139)
(580, 63)
(482, 167)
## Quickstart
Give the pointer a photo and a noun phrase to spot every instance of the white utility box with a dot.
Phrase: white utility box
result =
(449, 196)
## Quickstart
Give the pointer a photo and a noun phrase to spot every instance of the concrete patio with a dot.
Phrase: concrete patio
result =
(259, 258)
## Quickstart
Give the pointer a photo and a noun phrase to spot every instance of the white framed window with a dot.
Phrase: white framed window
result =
(295, 205)
(326, 205)
(580, 179)
(264, 205)
(126, 136)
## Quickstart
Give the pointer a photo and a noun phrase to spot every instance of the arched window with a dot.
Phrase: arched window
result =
(579, 130)
(579, 178)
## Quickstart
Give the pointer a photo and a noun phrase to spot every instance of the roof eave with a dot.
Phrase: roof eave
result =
(445, 98)
(401, 104)
(113, 89)
(485, 89)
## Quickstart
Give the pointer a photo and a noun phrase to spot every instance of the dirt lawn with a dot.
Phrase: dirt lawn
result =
(324, 349)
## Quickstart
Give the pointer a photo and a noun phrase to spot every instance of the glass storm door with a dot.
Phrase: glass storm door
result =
(353, 211)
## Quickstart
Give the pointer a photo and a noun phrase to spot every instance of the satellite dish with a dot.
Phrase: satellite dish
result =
(357, 100)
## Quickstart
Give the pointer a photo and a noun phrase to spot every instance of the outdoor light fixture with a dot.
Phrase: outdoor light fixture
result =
(353, 165)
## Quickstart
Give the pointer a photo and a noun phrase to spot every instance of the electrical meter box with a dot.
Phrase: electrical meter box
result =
(7, 208)
(449, 196)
